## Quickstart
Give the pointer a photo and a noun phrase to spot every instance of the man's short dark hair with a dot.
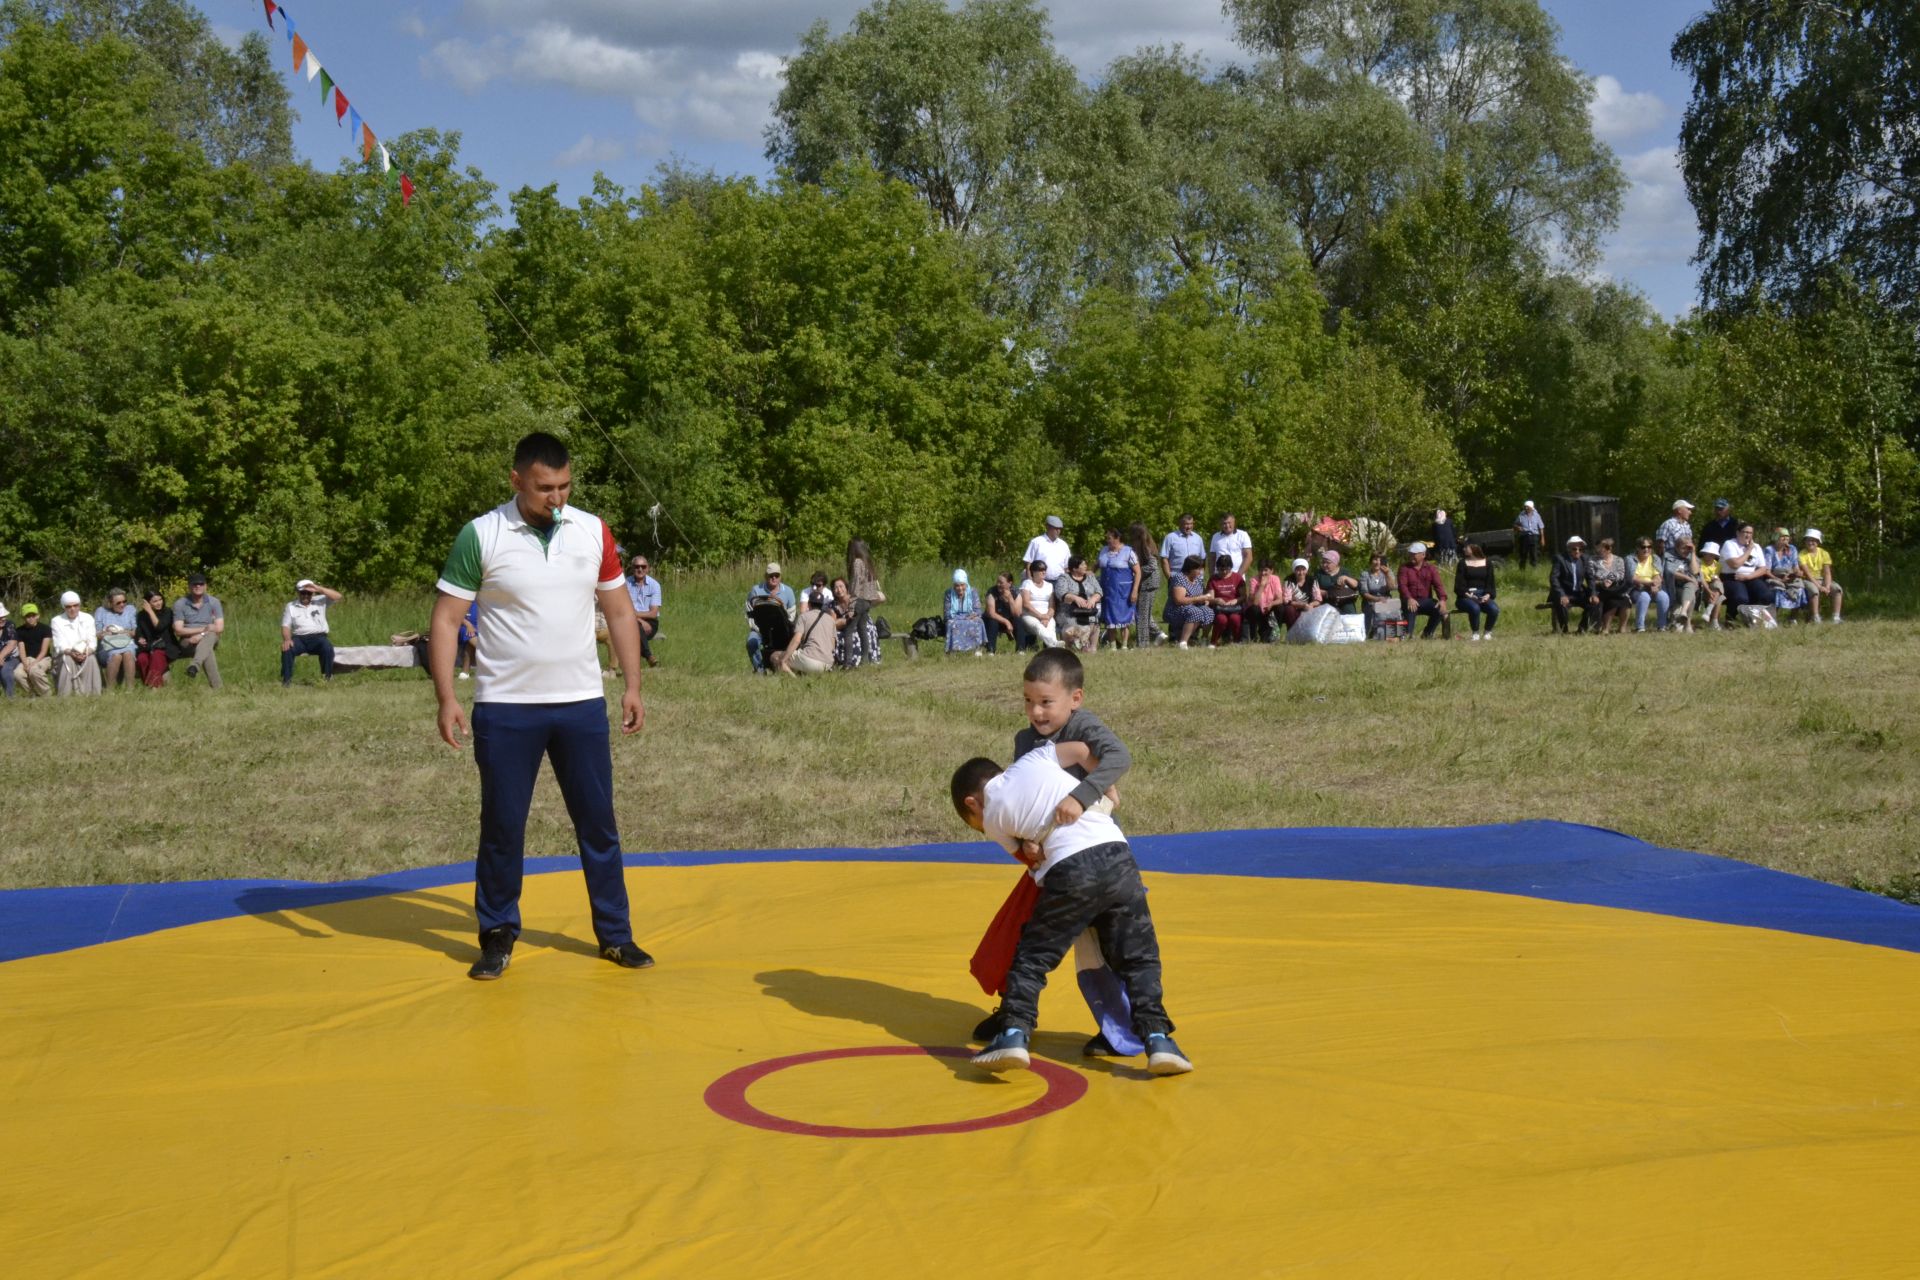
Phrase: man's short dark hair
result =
(540, 447)
(970, 779)
(1056, 664)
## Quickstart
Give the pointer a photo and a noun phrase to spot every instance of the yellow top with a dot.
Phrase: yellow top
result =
(1816, 562)
(1647, 571)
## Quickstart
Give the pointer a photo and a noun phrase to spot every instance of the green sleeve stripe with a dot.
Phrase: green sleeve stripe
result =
(463, 563)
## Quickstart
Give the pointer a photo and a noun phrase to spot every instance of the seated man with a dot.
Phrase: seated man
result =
(644, 590)
(199, 620)
(1570, 584)
(1421, 594)
(304, 628)
(770, 613)
(1816, 567)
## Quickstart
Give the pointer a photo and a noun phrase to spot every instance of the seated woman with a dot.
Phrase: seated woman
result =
(810, 652)
(1649, 581)
(1296, 595)
(966, 625)
(1789, 579)
(1120, 573)
(1263, 611)
(1225, 586)
(1474, 590)
(1378, 599)
(1331, 586)
(1189, 604)
(1001, 617)
(1610, 584)
(1034, 607)
(859, 641)
(153, 643)
(1076, 606)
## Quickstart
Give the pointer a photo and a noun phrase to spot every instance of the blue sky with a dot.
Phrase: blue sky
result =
(548, 91)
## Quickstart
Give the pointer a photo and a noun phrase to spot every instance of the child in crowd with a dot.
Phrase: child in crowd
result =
(1087, 878)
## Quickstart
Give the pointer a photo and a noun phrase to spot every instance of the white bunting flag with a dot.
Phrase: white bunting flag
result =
(386, 162)
(313, 66)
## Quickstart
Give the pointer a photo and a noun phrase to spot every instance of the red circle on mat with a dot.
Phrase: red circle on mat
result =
(727, 1096)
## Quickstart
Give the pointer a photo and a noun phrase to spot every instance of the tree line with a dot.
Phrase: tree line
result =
(1350, 273)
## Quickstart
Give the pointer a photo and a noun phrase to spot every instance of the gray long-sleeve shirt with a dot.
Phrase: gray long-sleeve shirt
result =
(1084, 726)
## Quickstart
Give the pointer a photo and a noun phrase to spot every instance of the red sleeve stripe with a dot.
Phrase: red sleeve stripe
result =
(609, 556)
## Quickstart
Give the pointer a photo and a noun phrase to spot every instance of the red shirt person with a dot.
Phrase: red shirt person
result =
(1422, 594)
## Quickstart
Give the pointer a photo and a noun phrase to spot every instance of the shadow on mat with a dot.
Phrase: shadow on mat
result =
(420, 919)
(918, 1018)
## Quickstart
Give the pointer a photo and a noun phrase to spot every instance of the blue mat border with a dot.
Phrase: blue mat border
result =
(1556, 861)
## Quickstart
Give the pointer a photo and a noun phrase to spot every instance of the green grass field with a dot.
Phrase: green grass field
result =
(1636, 733)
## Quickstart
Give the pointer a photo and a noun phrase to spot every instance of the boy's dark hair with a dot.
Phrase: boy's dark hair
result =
(970, 779)
(1056, 664)
(547, 450)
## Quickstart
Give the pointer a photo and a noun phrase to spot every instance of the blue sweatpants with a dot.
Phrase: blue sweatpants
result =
(509, 740)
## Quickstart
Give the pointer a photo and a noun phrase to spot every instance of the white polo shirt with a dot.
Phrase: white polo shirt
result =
(309, 619)
(536, 597)
(1019, 805)
(1238, 544)
(1054, 551)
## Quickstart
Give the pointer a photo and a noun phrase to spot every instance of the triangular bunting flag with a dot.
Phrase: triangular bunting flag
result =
(313, 65)
(366, 142)
(326, 86)
(271, 6)
(299, 49)
(386, 161)
(353, 122)
(339, 107)
(289, 21)
(406, 191)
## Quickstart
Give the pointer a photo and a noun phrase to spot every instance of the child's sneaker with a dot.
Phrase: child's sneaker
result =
(990, 1026)
(1163, 1056)
(1005, 1051)
(1100, 1047)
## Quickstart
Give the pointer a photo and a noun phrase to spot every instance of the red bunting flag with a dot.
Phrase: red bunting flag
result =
(299, 51)
(406, 191)
(339, 107)
(366, 142)
(271, 7)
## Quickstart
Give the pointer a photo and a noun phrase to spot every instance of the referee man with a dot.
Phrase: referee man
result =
(536, 566)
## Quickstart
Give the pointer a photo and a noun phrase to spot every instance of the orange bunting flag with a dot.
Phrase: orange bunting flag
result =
(406, 191)
(366, 142)
(339, 106)
(299, 52)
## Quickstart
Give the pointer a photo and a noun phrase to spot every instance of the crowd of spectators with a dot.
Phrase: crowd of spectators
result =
(118, 645)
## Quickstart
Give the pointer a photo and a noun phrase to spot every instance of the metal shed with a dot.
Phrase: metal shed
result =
(1593, 516)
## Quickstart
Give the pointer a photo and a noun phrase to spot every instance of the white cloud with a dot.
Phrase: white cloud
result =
(591, 150)
(413, 25)
(1619, 116)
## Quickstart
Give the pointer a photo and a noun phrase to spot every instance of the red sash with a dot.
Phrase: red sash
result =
(994, 956)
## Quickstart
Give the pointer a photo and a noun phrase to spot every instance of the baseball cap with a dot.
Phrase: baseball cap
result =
(1811, 533)
(304, 584)
(1053, 522)
(196, 579)
(1576, 538)
(29, 610)
(1528, 504)
(773, 569)
(1417, 548)
(1721, 504)
(1682, 502)
(69, 597)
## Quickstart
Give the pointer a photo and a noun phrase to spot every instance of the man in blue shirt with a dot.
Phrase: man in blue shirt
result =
(770, 591)
(644, 591)
(1178, 545)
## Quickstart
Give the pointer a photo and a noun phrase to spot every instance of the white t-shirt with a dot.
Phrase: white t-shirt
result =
(1019, 805)
(1038, 596)
(1054, 551)
(1237, 544)
(306, 619)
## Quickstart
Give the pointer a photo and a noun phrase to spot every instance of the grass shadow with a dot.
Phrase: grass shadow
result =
(418, 918)
(918, 1018)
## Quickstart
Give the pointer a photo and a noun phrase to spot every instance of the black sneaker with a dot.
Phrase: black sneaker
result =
(496, 952)
(1164, 1057)
(193, 669)
(990, 1026)
(1100, 1047)
(1005, 1052)
(628, 956)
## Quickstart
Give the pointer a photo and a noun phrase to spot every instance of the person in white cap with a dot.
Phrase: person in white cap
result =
(1816, 565)
(1529, 530)
(1051, 546)
(75, 639)
(1676, 526)
(1446, 538)
(1713, 592)
(1570, 583)
(766, 635)
(1421, 594)
(304, 629)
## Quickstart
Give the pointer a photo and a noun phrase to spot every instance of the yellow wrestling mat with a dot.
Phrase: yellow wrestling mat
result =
(1391, 1081)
